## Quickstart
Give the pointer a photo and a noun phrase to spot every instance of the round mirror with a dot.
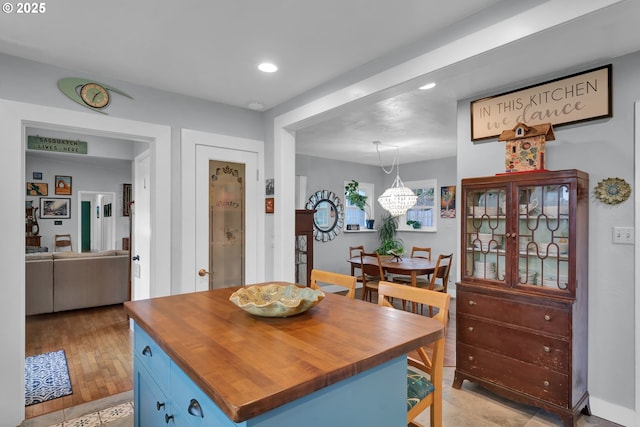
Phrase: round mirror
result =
(329, 216)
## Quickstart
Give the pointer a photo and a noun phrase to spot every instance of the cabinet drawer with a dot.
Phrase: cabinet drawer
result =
(517, 375)
(152, 357)
(538, 317)
(192, 404)
(529, 347)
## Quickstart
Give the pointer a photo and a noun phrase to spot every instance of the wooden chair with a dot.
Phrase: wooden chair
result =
(355, 251)
(423, 391)
(62, 241)
(440, 273)
(349, 282)
(416, 252)
(370, 275)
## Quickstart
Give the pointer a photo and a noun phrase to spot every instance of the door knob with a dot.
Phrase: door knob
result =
(136, 258)
(202, 272)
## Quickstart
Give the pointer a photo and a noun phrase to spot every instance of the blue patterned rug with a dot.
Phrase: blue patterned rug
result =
(46, 377)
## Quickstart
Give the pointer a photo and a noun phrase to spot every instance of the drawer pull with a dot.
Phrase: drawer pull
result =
(547, 349)
(159, 405)
(546, 384)
(195, 409)
(547, 317)
(168, 418)
(472, 302)
(146, 351)
(470, 358)
(470, 328)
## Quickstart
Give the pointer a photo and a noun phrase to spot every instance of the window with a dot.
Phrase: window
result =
(423, 216)
(353, 214)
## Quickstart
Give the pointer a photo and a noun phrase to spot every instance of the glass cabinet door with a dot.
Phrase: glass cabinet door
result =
(484, 240)
(543, 237)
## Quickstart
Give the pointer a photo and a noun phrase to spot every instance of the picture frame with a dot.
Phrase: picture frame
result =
(55, 208)
(448, 201)
(63, 185)
(269, 204)
(126, 199)
(37, 175)
(37, 189)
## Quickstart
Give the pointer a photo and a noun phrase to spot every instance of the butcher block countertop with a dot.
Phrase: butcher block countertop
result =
(249, 365)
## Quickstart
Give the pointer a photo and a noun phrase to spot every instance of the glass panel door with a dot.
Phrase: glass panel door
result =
(226, 224)
(543, 236)
(485, 243)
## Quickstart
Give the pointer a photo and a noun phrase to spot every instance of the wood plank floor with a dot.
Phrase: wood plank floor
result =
(98, 346)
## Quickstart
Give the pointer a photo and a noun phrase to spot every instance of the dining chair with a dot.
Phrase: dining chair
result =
(343, 280)
(371, 274)
(416, 252)
(424, 373)
(439, 278)
(62, 241)
(355, 251)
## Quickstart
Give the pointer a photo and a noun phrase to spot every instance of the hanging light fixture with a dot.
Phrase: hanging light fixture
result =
(396, 199)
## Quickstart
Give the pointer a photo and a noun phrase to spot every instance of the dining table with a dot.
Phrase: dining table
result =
(412, 267)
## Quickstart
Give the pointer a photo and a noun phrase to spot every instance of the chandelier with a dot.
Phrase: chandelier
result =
(396, 199)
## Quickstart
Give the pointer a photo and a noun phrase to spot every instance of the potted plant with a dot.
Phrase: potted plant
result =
(387, 234)
(360, 200)
(415, 224)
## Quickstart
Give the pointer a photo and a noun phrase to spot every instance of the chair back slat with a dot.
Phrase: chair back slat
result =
(343, 280)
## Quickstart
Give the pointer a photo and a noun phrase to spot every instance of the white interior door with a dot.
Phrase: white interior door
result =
(141, 229)
(203, 154)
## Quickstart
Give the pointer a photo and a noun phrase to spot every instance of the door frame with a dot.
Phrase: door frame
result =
(15, 117)
(112, 237)
(189, 140)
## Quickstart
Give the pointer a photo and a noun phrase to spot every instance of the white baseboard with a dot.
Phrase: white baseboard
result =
(612, 412)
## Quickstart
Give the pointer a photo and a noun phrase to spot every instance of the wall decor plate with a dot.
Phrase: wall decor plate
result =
(612, 191)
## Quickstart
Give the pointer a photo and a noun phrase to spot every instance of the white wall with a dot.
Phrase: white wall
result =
(602, 148)
(86, 175)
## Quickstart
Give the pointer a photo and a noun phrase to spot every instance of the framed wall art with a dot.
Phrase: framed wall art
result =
(63, 185)
(55, 208)
(126, 199)
(37, 189)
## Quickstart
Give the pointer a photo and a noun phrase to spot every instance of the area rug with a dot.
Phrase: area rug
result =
(46, 377)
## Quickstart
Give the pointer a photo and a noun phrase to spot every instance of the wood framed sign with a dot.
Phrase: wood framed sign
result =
(571, 99)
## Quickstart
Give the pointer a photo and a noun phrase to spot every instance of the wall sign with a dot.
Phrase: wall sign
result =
(575, 98)
(57, 145)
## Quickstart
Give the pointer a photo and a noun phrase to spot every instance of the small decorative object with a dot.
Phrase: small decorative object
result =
(397, 254)
(87, 93)
(37, 189)
(525, 149)
(63, 185)
(276, 300)
(612, 191)
(415, 224)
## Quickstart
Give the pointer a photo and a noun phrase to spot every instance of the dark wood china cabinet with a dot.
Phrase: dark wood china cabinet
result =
(521, 305)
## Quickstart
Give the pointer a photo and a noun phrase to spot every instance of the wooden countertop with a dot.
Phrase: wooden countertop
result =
(249, 365)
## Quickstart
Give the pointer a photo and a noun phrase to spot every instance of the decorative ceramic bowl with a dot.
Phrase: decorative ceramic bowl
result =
(276, 300)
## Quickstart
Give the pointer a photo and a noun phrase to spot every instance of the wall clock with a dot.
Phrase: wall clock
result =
(93, 95)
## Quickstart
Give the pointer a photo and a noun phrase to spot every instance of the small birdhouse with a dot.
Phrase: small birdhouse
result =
(525, 146)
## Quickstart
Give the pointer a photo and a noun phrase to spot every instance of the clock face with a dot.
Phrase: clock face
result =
(94, 95)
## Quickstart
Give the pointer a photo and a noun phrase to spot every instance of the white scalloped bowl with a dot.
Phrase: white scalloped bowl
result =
(275, 300)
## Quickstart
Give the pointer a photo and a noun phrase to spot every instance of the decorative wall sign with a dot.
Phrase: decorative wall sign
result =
(575, 98)
(612, 191)
(57, 145)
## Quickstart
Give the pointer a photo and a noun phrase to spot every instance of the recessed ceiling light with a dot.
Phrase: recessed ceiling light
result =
(255, 105)
(427, 86)
(267, 67)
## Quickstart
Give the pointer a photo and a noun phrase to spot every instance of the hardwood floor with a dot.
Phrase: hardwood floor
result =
(98, 346)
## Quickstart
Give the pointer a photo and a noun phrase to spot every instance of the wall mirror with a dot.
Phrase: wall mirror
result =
(329, 217)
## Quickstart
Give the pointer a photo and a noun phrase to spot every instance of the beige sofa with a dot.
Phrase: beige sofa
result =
(66, 280)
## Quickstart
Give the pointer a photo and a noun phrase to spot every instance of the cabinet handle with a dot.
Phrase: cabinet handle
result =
(195, 409)
(470, 358)
(547, 349)
(547, 317)
(470, 328)
(159, 405)
(546, 384)
(146, 351)
(168, 418)
(472, 302)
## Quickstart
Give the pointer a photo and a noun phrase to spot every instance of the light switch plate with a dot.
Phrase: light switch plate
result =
(623, 235)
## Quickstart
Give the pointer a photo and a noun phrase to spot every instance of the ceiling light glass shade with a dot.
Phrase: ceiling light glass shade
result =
(397, 199)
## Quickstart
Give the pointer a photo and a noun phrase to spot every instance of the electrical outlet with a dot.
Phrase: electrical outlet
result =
(623, 235)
